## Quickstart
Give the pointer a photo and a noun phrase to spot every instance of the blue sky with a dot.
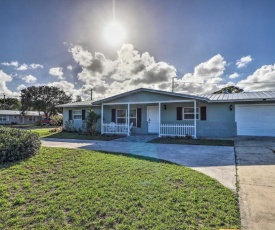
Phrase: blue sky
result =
(206, 44)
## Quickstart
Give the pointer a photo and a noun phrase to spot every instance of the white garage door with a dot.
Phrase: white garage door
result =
(255, 120)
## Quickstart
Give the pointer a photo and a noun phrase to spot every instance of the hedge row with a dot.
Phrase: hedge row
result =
(17, 144)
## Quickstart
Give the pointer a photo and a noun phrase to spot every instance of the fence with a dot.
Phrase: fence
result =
(176, 130)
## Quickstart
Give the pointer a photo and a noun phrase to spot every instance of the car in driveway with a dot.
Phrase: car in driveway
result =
(46, 121)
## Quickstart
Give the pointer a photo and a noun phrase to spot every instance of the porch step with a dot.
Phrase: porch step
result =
(136, 138)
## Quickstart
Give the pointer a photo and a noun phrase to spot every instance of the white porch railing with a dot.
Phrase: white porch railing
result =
(113, 128)
(176, 130)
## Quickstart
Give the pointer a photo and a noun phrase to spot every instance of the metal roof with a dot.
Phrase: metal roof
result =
(18, 113)
(75, 104)
(246, 96)
(230, 97)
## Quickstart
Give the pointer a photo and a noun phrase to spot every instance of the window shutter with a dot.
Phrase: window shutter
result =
(138, 117)
(203, 113)
(114, 115)
(83, 114)
(179, 113)
(70, 115)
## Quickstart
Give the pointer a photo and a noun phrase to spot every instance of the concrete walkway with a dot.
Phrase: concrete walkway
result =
(215, 161)
(256, 176)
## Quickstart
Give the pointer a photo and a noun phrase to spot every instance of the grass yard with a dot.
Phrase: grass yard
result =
(182, 141)
(80, 189)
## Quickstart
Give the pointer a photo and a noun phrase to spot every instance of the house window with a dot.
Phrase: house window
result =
(4, 118)
(77, 115)
(15, 116)
(121, 115)
(188, 113)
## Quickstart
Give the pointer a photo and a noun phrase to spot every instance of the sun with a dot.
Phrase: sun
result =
(114, 33)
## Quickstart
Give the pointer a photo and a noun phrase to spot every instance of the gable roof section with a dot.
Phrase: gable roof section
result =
(118, 96)
(18, 113)
(76, 104)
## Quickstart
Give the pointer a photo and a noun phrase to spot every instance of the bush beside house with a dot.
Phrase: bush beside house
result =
(17, 144)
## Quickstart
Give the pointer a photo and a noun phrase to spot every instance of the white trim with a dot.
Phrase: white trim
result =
(102, 119)
(244, 105)
(195, 113)
(195, 119)
(74, 114)
(128, 119)
(159, 117)
(147, 102)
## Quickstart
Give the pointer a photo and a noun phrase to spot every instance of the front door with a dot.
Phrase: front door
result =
(153, 119)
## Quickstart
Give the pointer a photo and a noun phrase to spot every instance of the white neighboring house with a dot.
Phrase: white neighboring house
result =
(16, 117)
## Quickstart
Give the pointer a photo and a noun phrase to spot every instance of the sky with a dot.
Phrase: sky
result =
(202, 45)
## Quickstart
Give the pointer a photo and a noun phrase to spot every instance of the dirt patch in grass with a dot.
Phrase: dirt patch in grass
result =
(82, 136)
(79, 189)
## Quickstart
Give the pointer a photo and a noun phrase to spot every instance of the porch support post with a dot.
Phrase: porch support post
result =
(128, 119)
(102, 119)
(159, 117)
(195, 119)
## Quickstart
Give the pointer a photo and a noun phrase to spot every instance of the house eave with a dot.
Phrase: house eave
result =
(105, 100)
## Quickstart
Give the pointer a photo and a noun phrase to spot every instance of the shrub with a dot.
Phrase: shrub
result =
(56, 120)
(17, 144)
(91, 121)
(68, 126)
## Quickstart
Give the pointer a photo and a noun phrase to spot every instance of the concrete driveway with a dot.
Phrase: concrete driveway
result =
(256, 176)
(217, 162)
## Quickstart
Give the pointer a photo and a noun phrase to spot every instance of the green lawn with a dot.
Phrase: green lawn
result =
(80, 189)
(183, 141)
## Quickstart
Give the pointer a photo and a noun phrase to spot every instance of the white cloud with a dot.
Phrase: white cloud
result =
(20, 87)
(262, 79)
(234, 75)
(80, 55)
(243, 61)
(57, 71)
(3, 79)
(35, 66)
(23, 67)
(69, 67)
(13, 63)
(29, 79)
(67, 87)
(129, 70)
(206, 78)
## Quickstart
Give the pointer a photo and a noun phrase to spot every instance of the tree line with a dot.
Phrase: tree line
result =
(37, 98)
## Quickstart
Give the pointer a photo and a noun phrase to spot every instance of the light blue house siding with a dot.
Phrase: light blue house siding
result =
(78, 123)
(220, 120)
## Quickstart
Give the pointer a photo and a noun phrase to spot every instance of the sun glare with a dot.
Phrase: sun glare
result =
(114, 33)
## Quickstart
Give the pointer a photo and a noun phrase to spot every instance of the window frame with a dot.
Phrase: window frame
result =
(4, 116)
(78, 114)
(197, 113)
(125, 117)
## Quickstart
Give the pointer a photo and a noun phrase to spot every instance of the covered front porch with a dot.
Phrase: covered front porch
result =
(164, 118)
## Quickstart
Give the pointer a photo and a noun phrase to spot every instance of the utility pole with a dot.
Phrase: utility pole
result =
(4, 102)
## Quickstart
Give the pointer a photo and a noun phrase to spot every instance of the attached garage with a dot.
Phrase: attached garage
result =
(255, 119)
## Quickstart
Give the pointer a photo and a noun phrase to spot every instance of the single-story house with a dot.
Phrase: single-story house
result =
(149, 111)
(16, 117)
